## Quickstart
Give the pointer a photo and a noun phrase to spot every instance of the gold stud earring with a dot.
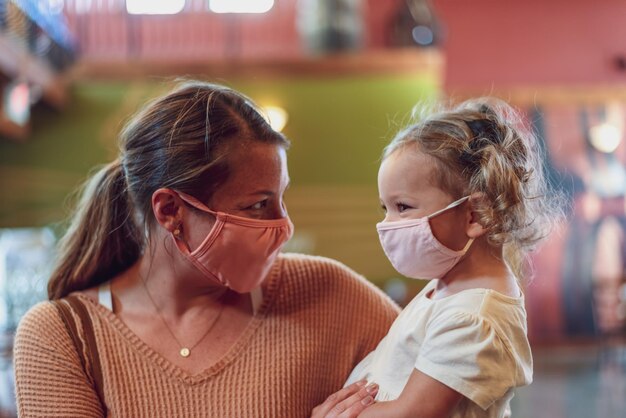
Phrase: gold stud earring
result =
(177, 232)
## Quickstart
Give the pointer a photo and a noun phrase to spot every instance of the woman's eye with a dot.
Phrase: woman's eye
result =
(258, 205)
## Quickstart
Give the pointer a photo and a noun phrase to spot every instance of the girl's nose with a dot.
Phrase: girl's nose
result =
(389, 217)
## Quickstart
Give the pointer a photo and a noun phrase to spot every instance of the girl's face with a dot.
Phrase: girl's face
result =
(408, 190)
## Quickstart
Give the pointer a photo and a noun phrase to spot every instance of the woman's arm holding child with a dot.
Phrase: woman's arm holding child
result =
(422, 397)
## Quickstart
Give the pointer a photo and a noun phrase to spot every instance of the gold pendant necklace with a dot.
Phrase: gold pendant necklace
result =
(184, 350)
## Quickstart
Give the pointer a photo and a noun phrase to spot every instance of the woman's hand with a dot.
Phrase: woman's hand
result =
(348, 402)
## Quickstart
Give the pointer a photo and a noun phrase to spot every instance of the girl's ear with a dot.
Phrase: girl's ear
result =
(474, 228)
(167, 208)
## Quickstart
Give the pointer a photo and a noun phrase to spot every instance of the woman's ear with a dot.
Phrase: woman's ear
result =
(474, 228)
(168, 209)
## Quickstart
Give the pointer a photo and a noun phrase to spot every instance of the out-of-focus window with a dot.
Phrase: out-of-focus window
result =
(154, 7)
(26, 257)
(240, 6)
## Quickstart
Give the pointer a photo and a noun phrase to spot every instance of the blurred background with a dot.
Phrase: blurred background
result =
(339, 78)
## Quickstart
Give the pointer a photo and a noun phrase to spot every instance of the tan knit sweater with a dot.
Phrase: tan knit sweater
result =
(317, 321)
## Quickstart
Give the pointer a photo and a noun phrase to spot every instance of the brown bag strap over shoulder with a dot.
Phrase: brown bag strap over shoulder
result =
(87, 349)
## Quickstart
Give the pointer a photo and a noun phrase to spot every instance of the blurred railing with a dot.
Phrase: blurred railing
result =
(106, 31)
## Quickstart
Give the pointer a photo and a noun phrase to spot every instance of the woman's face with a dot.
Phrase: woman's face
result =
(256, 184)
(258, 178)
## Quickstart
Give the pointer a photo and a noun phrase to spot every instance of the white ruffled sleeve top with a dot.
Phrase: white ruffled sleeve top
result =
(474, 342)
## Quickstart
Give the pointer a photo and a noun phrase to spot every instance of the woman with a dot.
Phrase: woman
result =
(170, 298)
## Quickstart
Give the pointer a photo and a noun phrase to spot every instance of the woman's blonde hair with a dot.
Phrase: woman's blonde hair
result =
(177, 141)
(481, 147)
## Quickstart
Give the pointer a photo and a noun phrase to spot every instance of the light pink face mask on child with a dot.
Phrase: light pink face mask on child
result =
(413, 249)
(238, 252)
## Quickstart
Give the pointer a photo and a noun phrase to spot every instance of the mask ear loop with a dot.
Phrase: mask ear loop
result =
(450, 206)
(453, 205)
(177, 233)
(194, 202)
(179, 241)
(469, 243)
(182, 245)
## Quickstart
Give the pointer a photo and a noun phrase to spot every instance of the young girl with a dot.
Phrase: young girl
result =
(464, 197)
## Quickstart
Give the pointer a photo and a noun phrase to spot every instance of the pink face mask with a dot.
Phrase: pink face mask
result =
(238, 252)
(413, 249)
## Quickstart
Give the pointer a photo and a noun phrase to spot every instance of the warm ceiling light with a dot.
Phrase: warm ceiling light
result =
(605, 137)
(276, 116)
(241, 6)
(154, 7)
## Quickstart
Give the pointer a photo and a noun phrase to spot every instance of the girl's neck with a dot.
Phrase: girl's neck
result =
(482, 267)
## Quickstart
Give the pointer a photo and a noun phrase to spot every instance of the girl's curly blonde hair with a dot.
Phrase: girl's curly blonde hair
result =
(482, 148)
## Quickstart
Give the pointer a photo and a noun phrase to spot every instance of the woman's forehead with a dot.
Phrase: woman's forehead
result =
(257, 165)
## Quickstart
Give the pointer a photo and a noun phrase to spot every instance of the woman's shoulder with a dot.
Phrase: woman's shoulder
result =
(42, 321)
(43, 312)
(90, 293)
(325, 272)
(306, 264)
(321, 275)
(45, 319)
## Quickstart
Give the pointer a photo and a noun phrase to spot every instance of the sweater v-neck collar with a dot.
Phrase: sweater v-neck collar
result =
(270, 288)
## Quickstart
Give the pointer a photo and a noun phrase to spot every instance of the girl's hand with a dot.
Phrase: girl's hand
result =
(348, 402)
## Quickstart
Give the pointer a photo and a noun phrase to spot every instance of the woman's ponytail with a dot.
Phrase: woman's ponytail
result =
(103, 238)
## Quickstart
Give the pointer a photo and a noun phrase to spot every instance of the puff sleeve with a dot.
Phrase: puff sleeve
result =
(464, 352)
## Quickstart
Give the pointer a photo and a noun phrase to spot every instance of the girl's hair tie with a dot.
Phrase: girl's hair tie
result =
(484, 129)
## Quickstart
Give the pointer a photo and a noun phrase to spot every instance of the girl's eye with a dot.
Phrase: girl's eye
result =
(402, 207)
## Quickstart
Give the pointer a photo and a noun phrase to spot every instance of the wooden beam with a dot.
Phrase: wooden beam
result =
(397, 61)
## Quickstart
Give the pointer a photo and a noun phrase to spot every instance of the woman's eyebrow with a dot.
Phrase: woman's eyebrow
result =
(261, 192)
(267, 192)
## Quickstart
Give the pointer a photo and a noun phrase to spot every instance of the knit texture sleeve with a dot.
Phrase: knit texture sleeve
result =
(376, 317)
(49, 377)
(348, 313)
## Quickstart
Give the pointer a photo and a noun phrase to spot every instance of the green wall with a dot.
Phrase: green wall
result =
(338, 127)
